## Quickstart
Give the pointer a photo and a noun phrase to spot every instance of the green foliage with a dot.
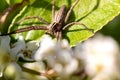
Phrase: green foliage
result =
(93, 13)
(113, 29)
(3, 5)
(12, 2)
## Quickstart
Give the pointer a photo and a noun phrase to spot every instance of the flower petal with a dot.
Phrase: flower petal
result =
(18, 46)
(5, 43)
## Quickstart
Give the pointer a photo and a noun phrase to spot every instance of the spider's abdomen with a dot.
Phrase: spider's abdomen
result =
(61, 14)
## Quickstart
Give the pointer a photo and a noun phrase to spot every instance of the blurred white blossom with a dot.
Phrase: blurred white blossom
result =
(46, 46)
(101, 57)
(4, 53)
(58, 55)
(13, 71)
(25, 50)
(7, 55)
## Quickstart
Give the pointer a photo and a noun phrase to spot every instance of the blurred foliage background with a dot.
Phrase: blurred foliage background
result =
(112, 29)
(8, 10)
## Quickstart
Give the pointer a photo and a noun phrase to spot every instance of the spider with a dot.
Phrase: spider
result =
(58, 24)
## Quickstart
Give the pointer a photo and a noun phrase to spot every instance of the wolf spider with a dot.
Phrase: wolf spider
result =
(57, 25)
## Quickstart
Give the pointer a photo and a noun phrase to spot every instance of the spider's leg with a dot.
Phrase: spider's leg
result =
(70, 10)
(53, 10)
(33, 17)
(72, 23)
(26, 29)
(77, 23)
(58, 36)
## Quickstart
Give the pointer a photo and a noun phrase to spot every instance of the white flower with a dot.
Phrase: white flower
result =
(10, 55)
(7, 55)
(101, 57)
(46, 45)
(13, 71)
(18, 46)
(4, 53)
(58, 55)
(25, 50)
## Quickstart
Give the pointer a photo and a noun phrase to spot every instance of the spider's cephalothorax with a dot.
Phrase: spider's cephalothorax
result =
(57, 25)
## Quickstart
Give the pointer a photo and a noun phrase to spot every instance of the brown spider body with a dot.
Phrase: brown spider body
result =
(56, 27)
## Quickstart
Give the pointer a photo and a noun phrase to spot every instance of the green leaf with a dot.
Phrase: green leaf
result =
(3, 5)
(92, 13)
(32, 1)
(12, 2)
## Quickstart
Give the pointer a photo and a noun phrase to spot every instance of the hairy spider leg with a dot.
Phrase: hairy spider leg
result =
(53, 10)
(72, 23)
(34, 17)
(30, 27)
(70, 10)
(77, 23)
(26, 29)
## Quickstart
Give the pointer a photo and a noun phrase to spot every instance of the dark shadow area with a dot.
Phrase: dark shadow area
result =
(69, 2)
(112, 29)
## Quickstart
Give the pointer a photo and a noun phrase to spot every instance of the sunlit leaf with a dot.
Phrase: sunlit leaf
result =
(92, 13)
